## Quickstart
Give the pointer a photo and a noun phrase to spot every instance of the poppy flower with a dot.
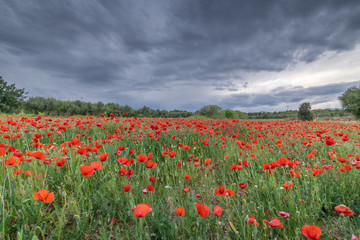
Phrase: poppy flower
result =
(60, 163)
(18, 171)
(217, 210)
(344, 210)
(317, 171)
(311, 232)
(2, 151)
(330, 142)
(187, 176)
(103, 156)
(150, 187)
(220, 191)
(142, 158)
(287, 186)
(44, 196)
(142, 209)
(252, 221)
(186, 189)
(151, 164)
(284, 214)
(152, 179)
(96, 165)
(180, 211)
(126, 161)
(83, 152)
(122, 171)
(12, 161)
(28, 173)
(203, 210)
(274, 223)
(243, 185)
(127, 188)
(87, 170)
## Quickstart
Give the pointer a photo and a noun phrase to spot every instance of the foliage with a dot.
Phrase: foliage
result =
(210, 111)
(350, 101)
(10, 97)
(81, 178)
(305, 113)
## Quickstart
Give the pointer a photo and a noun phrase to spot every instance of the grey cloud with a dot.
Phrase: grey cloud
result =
(139, 45)
(283, 95)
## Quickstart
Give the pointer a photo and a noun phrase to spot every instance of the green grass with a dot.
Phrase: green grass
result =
(84, 207)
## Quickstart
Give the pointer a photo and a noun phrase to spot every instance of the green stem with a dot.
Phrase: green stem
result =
(61, 218)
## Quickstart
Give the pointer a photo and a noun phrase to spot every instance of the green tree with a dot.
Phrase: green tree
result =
(350, 101)
(229, 113)
(305, 113)
(210, 111)
(11, 98)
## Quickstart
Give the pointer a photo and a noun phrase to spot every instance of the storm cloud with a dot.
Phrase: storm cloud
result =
(180, 54)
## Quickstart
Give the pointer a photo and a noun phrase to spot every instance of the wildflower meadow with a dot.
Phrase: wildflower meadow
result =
(143, 178)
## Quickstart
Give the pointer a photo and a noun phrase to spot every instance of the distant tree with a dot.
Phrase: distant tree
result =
(305, 113)
(210, 111)
(350, 101)
(11, 98)
(229, 113)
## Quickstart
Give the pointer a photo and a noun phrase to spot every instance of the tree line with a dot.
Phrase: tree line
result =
(13, 100)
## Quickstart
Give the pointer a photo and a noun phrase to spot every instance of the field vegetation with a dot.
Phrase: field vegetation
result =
(131, 178)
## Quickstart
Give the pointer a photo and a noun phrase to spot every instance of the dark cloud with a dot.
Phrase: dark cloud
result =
(128, 49)
(288, 95)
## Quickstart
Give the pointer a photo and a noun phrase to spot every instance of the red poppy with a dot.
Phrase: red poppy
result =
(103, 156)
(187, 176)
(344, 210)
(151, 164)
(2, 151)
(38, 155)
(330, 142)
(12, 161)
(274, 223)
(150, 187)
(186, 189)
(220, 191)
(60, 163)
(87, 170)
(127, 188)
(252, 221)
(311, 232)
(287, 186)
(28, 173)
(142, 209)
(203, 210)
(217, 210)
(122, 171)
(243, 185)
(125, 161)
(180, 211)
(96, 165)
(18, 171)
(142, 158)
(284, 214)
(44, 196)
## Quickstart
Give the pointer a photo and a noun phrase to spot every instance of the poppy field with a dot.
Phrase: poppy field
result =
(142, 178)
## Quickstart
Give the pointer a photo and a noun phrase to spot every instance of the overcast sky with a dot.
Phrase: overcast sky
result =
(265, 55)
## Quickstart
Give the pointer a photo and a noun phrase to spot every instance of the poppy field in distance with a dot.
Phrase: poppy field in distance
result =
(143, 178)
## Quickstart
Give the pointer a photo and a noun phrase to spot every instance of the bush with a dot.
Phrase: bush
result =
(305, 113)
(350, 101)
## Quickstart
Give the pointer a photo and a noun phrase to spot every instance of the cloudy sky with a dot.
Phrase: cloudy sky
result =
(267, 55)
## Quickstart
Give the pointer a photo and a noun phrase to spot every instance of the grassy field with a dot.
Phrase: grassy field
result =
(131, 178)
